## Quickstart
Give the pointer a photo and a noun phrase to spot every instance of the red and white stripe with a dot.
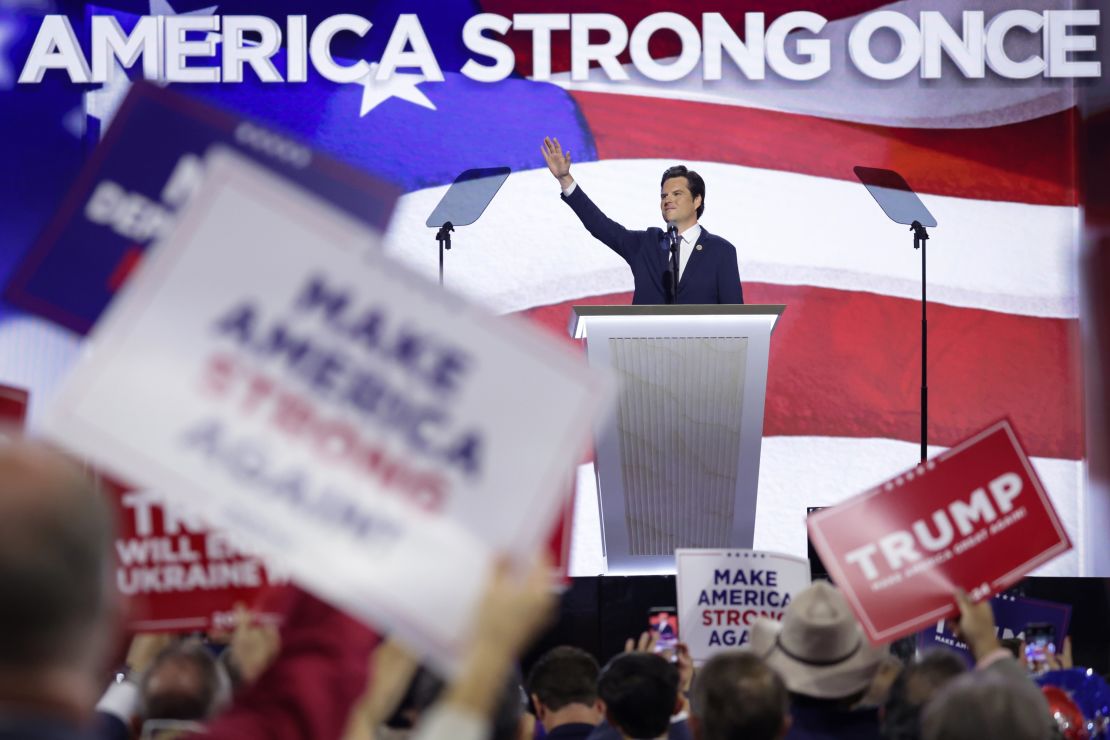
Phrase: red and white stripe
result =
(994, 163)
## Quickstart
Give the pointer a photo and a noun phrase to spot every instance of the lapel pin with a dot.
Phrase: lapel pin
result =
(698, 247)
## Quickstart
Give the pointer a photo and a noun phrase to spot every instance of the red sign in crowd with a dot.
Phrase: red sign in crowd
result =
(975, 518)
(176, 574)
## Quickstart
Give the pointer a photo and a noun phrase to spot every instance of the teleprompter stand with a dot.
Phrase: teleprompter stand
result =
(464, 203)
(901, 205)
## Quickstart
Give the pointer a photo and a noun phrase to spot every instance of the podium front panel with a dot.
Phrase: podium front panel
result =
(678, 464)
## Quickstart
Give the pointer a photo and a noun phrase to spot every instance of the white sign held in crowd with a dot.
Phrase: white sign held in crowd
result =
(373, 435)
(721, 593)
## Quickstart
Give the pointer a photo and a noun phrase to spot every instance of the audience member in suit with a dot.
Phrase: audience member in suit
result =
(708, 271)
(562, 686)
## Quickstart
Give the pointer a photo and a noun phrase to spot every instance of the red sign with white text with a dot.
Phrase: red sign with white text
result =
(974, 518)
(177, 575)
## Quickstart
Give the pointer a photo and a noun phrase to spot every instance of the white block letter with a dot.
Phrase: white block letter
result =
(1058, 42)
(541, 25)
(408, 32)
(967, 52)
(1005, 488)
(109, 41)
(236, 53)
(179, 51)
(898, 549)
(499, 52)
(319, 47)
(582, 52)
(977, 509)
(997, 59)
(815, 50)
(748, 56)
(909, 39)
(687, 58)
(861, 556)
(55, 47)
(926, 538)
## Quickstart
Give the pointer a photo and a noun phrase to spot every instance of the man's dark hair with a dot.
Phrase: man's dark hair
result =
(182, 683)
(914, 687)
(640, 691)
(564, 675)
(55, 549)
(693, 181)
(737, 695)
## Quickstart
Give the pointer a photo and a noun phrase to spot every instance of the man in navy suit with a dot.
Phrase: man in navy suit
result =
(707, 263)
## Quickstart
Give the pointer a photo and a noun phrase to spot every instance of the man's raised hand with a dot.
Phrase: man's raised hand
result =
(558, 161)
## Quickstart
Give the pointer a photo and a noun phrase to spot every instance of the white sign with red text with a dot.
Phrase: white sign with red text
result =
(375, 436)
(721, 593)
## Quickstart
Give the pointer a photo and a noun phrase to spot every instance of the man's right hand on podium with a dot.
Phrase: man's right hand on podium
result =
(558, 161)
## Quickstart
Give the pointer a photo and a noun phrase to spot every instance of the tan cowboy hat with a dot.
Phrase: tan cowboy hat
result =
(819, 649)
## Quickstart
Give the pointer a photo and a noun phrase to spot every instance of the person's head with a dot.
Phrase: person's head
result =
(563, 687)
(987, 703)
(736, 694)
(918, 682)
(640, 693)
(819, 648)
(59, 608)
(681, 196)
(184, 682)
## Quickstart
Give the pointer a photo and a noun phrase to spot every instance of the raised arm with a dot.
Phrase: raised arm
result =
(621, 240)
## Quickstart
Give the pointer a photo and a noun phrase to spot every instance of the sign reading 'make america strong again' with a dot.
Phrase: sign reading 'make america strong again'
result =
(362, 429)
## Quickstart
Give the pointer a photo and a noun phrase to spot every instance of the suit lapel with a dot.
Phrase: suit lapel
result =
(697, 256)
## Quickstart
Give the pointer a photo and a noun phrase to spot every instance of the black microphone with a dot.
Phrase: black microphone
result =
(672, 233)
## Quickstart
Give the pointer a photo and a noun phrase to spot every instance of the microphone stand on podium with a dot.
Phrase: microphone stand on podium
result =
(673, 241)
(464, 203)
(901, 205)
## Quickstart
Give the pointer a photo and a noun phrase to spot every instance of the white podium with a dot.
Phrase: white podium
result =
(678, 464)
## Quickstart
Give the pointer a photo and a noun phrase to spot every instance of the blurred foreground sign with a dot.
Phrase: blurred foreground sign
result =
(130, 191)
(721, 593)
(975, 518)
(372, 435)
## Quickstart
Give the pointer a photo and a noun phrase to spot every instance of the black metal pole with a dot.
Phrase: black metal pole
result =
(924, 366)
(443, 236)
(920, 238)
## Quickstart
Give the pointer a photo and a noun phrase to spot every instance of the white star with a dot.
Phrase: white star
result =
(7, 34)
(103, 103)
(399, 85)
(74, 122)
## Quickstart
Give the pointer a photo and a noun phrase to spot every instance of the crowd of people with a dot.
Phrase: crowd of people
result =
(323, 675)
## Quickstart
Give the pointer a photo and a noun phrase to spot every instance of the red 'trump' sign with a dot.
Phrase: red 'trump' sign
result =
(975, 518)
